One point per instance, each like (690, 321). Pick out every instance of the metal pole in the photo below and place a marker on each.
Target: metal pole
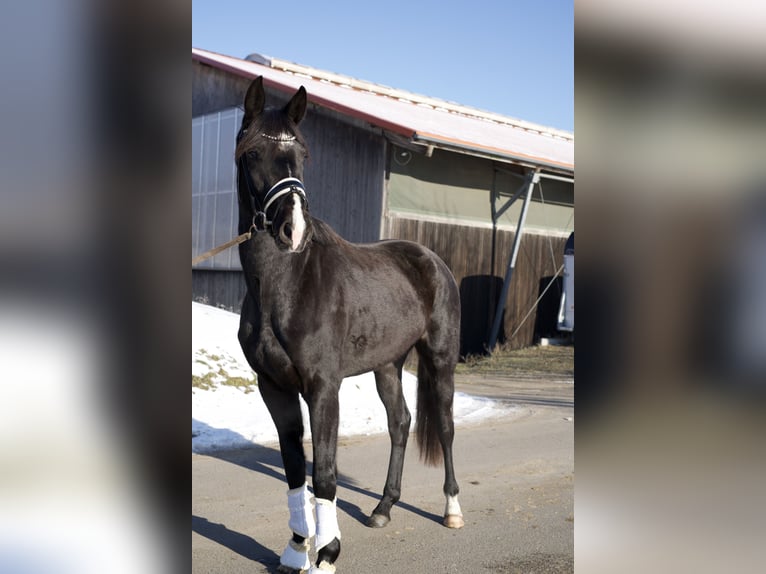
(558, 177)
(534, 179)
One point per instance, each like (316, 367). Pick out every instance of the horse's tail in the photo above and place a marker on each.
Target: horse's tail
(427, 419)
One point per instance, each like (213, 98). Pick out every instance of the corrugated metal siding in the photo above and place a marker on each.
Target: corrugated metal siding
(344, 179)
(214, 205)
(467, 251)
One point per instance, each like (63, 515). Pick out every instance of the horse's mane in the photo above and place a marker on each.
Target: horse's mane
(324, 234)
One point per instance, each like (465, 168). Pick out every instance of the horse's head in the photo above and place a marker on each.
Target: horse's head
(270, 154)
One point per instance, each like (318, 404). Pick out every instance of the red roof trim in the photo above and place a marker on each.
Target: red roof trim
(250, 69)
(324, 102)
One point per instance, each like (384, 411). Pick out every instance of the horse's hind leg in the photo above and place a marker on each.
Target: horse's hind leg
(389, 383)
(453, 515)
(436, 389)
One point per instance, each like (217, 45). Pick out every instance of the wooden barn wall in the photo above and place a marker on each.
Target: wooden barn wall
(467, 251)
(344, 177)
(344, 184)
(220, 288)
(214, 90)
(345, 171)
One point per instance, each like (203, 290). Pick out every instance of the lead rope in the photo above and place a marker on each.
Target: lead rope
(279, 190)
(244, 236)
(216, 250)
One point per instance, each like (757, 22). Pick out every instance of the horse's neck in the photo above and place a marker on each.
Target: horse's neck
(271, 268)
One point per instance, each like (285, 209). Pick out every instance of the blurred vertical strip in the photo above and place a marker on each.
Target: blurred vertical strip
(670, 108)
(94, 214)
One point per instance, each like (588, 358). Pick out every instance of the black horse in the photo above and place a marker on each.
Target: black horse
(319, 309)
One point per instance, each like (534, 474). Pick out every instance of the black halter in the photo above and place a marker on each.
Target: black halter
(279, 191)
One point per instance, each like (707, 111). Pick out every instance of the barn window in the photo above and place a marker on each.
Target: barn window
(214, 205)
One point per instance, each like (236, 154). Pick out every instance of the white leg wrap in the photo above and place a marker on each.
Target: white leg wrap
(301, 512)
(452, 507)
(296, 556)
(327, 522)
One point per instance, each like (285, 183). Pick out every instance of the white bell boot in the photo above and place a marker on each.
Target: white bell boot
(296, 556)
(323, 568)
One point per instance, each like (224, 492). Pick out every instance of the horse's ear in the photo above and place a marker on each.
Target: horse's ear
(296, 107)
(254, 100)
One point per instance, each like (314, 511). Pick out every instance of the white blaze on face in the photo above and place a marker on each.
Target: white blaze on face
(299, 223)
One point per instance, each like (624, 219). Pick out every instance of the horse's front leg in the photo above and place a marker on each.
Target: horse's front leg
(285, 410)
(324, 412)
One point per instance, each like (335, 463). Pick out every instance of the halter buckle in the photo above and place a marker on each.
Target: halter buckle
(260, 223)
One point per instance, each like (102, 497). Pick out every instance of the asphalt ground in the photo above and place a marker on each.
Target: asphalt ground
(516, 477)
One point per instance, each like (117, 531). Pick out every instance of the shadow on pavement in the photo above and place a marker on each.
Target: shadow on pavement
(267, 461)
(236, 542)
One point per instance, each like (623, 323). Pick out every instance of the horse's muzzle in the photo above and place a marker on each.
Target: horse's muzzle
(286, 233)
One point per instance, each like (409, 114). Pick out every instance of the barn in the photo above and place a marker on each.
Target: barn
(492, 195)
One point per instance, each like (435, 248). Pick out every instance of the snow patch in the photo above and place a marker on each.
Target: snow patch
(225, 417)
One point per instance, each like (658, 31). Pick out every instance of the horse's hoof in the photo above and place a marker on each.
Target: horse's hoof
(453, 521)
(282, 569)
(378, 521)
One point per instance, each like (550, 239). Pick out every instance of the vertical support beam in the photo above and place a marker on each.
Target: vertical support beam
(385, 219)
(492, 200)
(533, 178)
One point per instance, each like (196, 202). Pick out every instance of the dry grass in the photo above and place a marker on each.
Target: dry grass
(210, 381)
(544, 362)
(551, 360)
(217, 375)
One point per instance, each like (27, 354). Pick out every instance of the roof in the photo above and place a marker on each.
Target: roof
(419, 119)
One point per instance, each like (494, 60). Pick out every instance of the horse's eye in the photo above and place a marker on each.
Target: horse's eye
(252, 154)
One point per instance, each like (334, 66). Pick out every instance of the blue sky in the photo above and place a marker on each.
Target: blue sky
(513, 57)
